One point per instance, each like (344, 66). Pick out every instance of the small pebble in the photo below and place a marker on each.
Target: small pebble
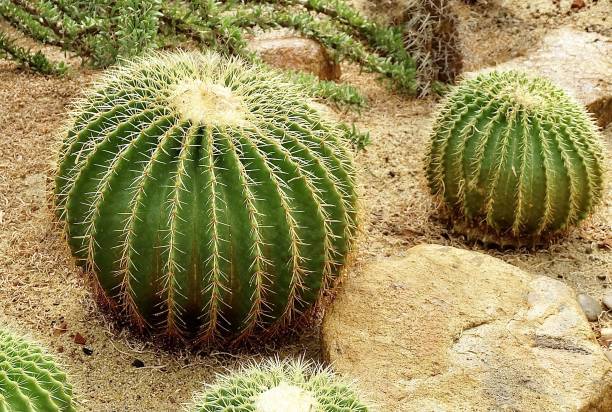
(79, 339)
(606, 335)
(60, 328)
(138, 363)
(591, 308)
(607, 299)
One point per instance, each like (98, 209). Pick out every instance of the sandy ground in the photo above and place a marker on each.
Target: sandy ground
(43, 295)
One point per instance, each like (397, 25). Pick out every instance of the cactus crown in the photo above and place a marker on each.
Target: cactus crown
(280, 386)
(30, 380)
(208, 104)
(207, 196)
(514, 159)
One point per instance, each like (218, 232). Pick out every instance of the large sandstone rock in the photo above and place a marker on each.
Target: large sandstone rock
(286, 50)
(578, 62)
(445, 329)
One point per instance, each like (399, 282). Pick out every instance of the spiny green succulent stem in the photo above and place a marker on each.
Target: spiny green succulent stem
(278, 386)
(30, 380)
(207, 198)
(514, 159)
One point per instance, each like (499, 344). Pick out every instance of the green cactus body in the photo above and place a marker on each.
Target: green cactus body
(30, 380)
(514, 160)
(207, 196)
(280, 386)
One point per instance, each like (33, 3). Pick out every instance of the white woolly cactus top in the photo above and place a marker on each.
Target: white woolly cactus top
(536, 96)
(195, 85)
(285, 397)
(281, 386)
(209, 103)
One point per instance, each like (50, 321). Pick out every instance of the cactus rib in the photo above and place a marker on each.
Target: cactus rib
(206, 196)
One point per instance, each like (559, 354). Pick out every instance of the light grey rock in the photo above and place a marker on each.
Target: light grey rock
(591, 307)
(606, 335)
(607, 300)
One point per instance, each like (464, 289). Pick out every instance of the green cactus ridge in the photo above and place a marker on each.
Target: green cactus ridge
(30, 380)
(280, 386)
(513, 159)
(208, 197)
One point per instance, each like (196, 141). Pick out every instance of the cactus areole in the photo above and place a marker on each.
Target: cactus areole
(514, 160)
(208, 198)
(30, 380)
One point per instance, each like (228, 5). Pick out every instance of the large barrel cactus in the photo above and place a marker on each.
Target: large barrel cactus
(207, 196)
(280, 386)
(513, 159)
(30, 380)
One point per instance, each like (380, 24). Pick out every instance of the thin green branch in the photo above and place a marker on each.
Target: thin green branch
(35, 61)
(25, 22)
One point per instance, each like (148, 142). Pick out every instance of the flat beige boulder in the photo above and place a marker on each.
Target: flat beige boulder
(286, 50)
(444, 329)
(578, 62)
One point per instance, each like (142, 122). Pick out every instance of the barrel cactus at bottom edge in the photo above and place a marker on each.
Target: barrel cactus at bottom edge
(208, 198)
(514, 160)
(30, 379)
(280, 386)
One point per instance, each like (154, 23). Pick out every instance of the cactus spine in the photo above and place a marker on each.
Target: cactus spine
(209, 199)
(30, 380)
(514, 159)
(279, 386)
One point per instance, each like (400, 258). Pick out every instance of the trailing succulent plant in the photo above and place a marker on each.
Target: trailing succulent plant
(207, 196)
(37, 61)
(279, 386)
(102, 31)
(513, 159)
(31, 380)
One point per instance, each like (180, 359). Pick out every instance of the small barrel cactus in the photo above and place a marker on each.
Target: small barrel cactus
(514, 160)
(210, 200)
(30, 380)
(280, 386)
